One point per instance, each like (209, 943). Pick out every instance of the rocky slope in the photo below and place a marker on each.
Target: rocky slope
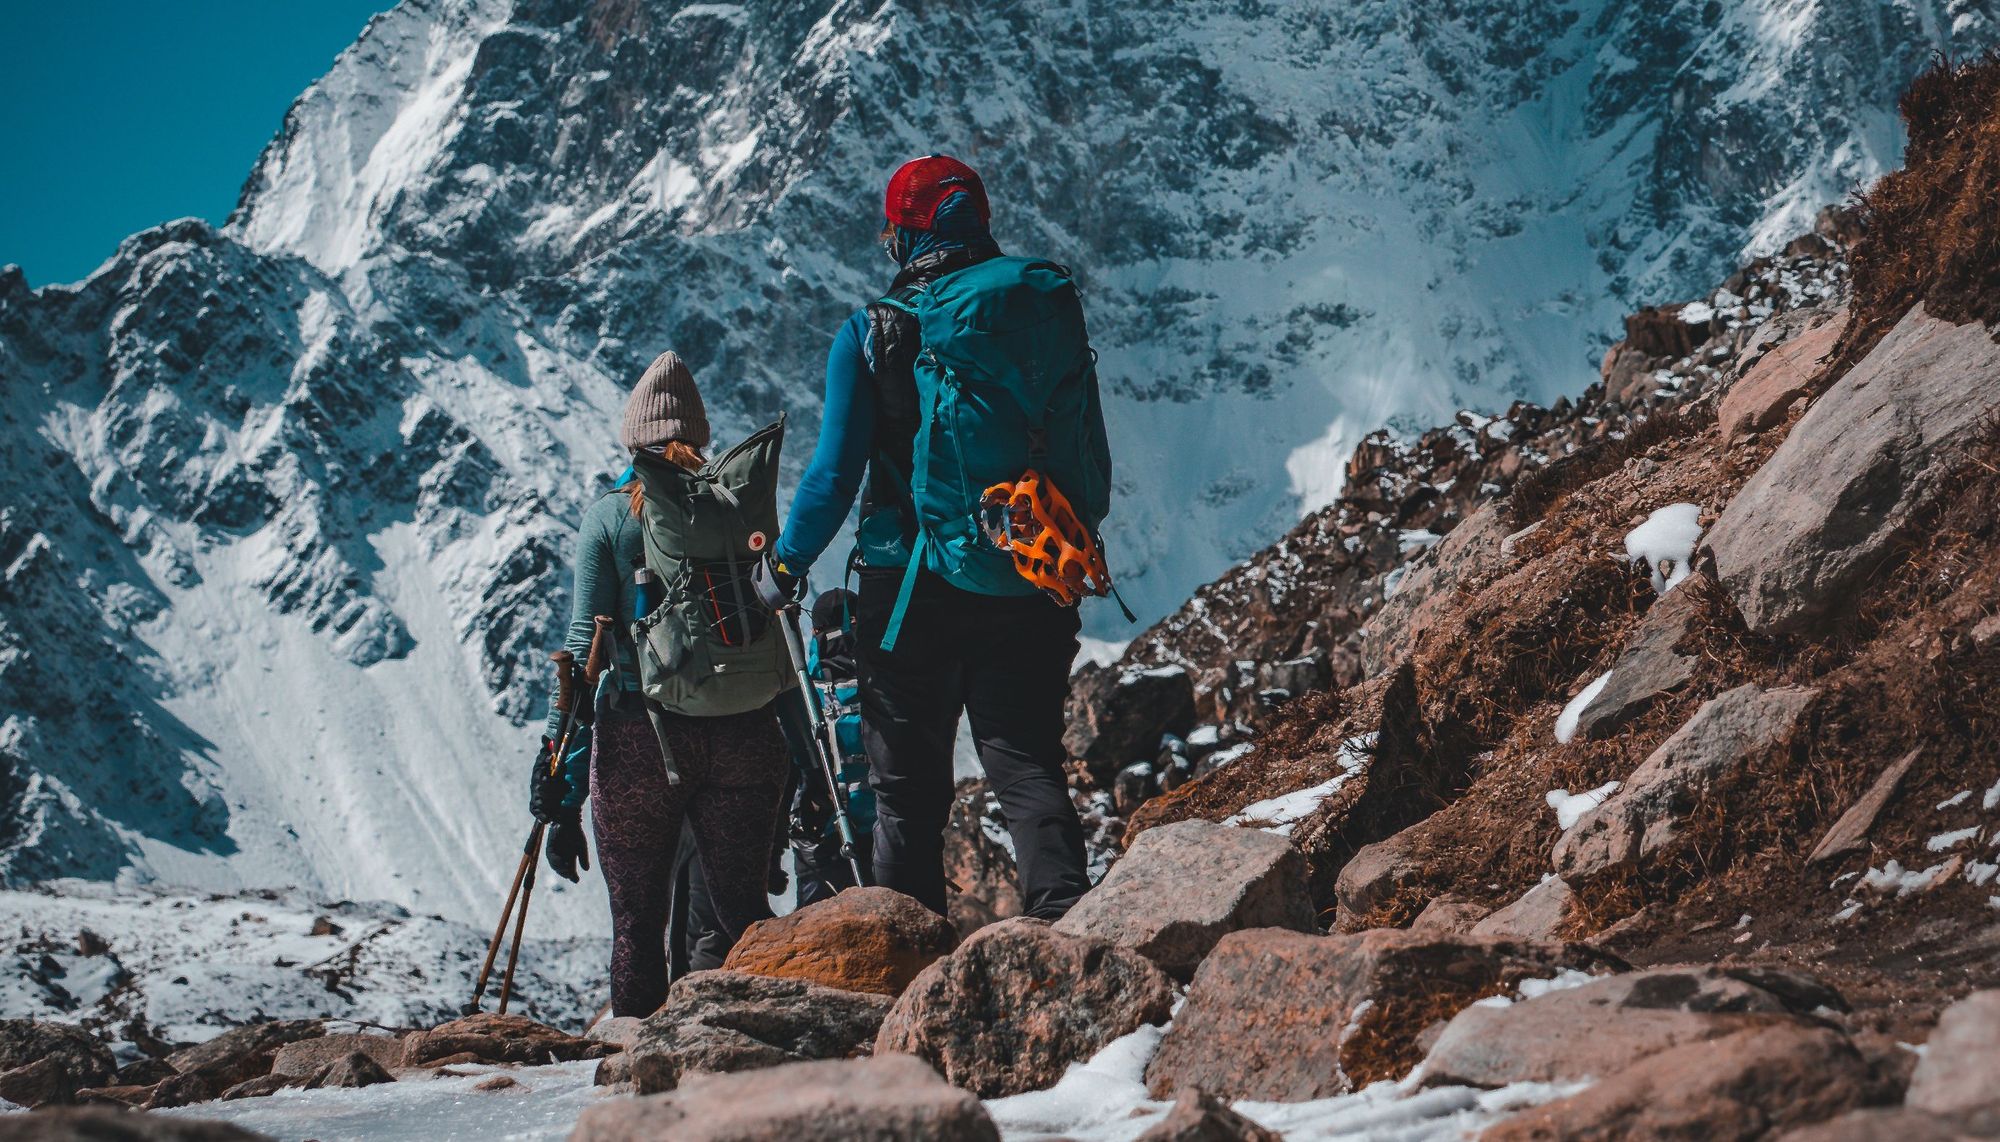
(282, 545)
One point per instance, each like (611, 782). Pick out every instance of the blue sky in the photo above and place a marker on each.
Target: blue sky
(121, 114)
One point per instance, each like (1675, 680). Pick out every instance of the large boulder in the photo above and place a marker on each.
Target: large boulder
(889, 1098)
(1182, 887)
(47, 1063)
(1760, 398)
(1960, 1070)
(1648, 668)
(306, 1057)
(1726, 1090)
(720, 1021)
(1285, 1017)
(1857, 470)
(243, 1053)
(1019, 1001)
(864, 939)
(492, 1038)
(1541, 913)
(1595, 1029)
(1117, 715)
(105, 1124)
(1645, 816)
(1375, 876)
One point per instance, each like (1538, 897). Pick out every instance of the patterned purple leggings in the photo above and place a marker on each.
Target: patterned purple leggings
(732, 780)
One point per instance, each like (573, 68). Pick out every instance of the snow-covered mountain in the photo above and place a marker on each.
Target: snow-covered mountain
(283, 518)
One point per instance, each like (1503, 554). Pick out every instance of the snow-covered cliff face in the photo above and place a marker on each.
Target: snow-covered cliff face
(284, 509)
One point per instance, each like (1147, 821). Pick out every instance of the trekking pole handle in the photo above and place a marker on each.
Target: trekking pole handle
(565, 678)
(602, 640)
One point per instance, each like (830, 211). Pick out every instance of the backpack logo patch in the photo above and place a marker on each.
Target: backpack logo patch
(758, 541)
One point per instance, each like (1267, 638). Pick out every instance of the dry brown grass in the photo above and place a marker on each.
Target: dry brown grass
(1931, 231)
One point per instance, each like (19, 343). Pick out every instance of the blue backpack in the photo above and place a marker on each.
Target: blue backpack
(1006, 382)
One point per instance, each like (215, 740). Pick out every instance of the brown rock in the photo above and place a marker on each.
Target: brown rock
(104, 1124)
(1018, 1002)
(985, 889)
(500, 1082)
(1729, 1090)
(864, 939)
(621, 1031)
(305, 1057)
(243, 1053)
(614, 1070)
(1374, 876)
(889, 1098)
(491, 1038)
(145, 1072)
(357, 1069)
(1858, 469)
(1897, 1124)
(1648, 668)
(718, 1021)
(1450, 915)
(183, 1090)
(1595, 1029)
(1182, 887)
(1197, 1117)
(1432, 583)
(1850, 833)
(1643, 817)
(89, 943)
(1284, 1017)
(1540, 914)
(261, 1086)
(1759, 399)
(132, 1095)
(45, 1063)
(1960, 1070)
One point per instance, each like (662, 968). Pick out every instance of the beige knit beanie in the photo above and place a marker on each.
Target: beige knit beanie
(665, 406)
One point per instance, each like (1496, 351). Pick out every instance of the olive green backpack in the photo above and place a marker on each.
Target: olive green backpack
(710, 648)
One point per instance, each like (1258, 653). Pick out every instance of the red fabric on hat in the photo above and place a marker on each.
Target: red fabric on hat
(920, 186)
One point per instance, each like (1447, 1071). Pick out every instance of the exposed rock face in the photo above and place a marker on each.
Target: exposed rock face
(356, 1069)
(490, 1038)
(96, 1122)
(889, 1098)
(1182, 887)
(1541, 913)
(1872, 452)
(1450, 915)
(243, 1053)
(1595, 1029)
(44, 1063)
(1648, 668)
(1737, 1088)
(1472, 551)
(1760, 398)
(979, 859)
(1373, 877)
(1644, 816)
(307, 1056)
(864, 939)
(1198, 1117)
(1286, 1017)
(720, 1021)
(1116, 717)
(1957, 1072)
(1850, 832)
(1018, 1002)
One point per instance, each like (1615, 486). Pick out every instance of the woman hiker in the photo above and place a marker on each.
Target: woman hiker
(731, 769)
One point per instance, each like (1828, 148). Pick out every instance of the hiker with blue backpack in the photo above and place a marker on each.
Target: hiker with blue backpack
(963, 408)
(686, 724)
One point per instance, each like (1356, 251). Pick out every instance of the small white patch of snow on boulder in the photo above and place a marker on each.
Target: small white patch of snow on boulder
(1566, 721)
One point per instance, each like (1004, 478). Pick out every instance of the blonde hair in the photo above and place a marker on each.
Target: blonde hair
(676, 452)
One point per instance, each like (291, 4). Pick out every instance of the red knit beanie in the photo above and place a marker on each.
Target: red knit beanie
(920, 186)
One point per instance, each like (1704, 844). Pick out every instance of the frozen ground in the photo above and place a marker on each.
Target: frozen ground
(1103, 1100)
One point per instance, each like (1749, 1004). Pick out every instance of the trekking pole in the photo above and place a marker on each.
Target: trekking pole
(572, 699)
(826, 740)
(506, 913)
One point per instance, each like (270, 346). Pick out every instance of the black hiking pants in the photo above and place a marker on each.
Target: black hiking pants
(1004, 661)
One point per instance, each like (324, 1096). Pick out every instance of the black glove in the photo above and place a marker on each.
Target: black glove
(567, 849)
(775, 585)
(547, 786)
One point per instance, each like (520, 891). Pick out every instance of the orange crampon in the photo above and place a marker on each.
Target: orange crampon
(1032, 519)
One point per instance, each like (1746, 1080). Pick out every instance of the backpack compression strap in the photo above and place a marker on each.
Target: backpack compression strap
(905, 300)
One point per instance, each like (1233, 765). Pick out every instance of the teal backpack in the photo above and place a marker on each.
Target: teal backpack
(1006, 381)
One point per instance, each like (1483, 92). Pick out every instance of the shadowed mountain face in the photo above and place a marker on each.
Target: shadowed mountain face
(287, 503)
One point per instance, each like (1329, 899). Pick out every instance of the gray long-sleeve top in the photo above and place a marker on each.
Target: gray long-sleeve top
(607, 548)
